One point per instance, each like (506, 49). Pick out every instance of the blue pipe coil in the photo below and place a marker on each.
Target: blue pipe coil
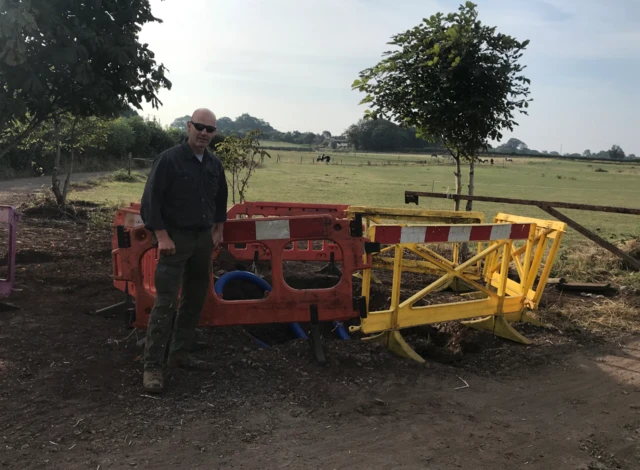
(261, 283)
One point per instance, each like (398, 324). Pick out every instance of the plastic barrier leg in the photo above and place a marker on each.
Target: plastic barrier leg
(523, 317)
(395, 343)
(499, 327)
(316, 338)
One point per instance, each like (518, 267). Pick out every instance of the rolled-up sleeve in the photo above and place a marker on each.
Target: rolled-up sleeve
(153, 195)
(222, 198)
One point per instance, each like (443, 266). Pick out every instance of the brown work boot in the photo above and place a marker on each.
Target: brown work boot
(184, 360)
(152, 381)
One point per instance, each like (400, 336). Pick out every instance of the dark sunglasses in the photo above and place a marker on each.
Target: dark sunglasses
(200, 127)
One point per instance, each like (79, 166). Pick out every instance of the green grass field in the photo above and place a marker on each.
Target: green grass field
(369, 179)
(274, 143)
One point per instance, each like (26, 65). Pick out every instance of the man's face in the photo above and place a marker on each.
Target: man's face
(199, 130)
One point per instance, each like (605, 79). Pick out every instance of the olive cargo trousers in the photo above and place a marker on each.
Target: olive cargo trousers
(190, 269)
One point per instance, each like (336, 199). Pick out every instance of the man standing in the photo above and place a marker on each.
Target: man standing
(185, 206)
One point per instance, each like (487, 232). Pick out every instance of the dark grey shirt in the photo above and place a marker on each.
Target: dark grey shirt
(183, 193)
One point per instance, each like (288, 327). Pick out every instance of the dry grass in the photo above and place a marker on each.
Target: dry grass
(618, 314)
(588, 262)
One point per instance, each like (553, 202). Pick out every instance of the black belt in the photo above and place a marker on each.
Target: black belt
(191, 229)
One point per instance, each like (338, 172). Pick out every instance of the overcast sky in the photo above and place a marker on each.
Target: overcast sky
(292, 62)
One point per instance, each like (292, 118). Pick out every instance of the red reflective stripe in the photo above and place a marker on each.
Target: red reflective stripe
(239, 230)
(312, 227)
(388, 235)
(437, 234)
(480, 233)
(520, 231)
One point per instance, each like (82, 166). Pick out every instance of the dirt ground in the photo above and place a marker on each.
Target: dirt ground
(71, 398)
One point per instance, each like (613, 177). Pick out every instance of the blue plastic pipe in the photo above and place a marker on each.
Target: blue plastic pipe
(341, 331)
(261, 283)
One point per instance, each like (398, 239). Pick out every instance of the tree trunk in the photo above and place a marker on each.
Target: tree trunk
(233, 188)
(67, 180)
(458, 175)
(472, 169)
(55, 182)
(464, 247)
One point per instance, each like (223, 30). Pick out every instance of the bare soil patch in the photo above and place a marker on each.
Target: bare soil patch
(71, 384)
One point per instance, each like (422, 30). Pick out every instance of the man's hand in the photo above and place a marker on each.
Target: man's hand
(216, 234)
(166, 247)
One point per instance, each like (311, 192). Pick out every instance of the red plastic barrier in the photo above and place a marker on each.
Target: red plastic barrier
(306, 250)
(285, 209)
(134, 267)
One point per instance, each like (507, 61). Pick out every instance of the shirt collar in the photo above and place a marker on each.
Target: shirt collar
(189, 153)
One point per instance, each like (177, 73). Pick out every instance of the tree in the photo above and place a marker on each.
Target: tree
(226, 125)
(142, 137)
(513, 145)
(326, 134)
(129, 112)
(240, 157)
(632, 155)
(375, 135)
(73, 57)
(159, 139)
(616, 153)
(181, 123)
(177, 135)
(69, 134)
(120, 137)
(586, 153)
(246, 123)
(455, 80)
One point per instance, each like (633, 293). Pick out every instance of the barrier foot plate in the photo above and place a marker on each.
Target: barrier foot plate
(499, 327)
(374, 278)
(524, 317)
(331, 270)
(396, 344)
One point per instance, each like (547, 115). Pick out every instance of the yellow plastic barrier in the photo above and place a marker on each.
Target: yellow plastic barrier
(386, 215)
(511, 241)
(546, 244)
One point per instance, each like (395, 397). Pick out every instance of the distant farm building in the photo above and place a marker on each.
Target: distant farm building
(338, 143)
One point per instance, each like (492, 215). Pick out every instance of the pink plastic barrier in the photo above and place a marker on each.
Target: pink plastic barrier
(9, 216)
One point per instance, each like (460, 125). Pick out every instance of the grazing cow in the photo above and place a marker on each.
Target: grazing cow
(492, 161)
(323, 157)
(508, 159)
(434, 155)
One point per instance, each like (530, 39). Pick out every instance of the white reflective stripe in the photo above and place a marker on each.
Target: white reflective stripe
(459, 234)
(501, 232)
(132, 220)
(272, 230)
(413, 234)
(4, 214)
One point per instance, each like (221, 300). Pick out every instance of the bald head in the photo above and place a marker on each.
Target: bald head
(201, 129)
(199, 115)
